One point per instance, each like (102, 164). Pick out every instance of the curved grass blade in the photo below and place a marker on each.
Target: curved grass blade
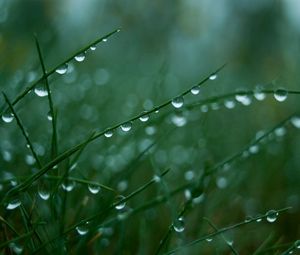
(65, 61)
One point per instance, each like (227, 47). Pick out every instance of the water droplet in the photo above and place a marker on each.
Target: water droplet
(178, 120)
(62, 69)
(213, 77)
(221, 182)
(126, 126)
(281, 131)
(259, 95)
(104, 40)
(156, 178)
(215, 106)
(259, 218)
(7, 117)
(93, 47)
(272, 216)
(41, 90)
(280, 95)
(17, 249)
(229, 104)
(94, 189)
(229, 242)
(204, 108)
(254, 149)
(80, 57)
(120, 205)
(13, 204)
(209, 240)
(49, 116)
(195, 90)
(295, 120)
(248, 219)
(68, 185)
(43, 193)
(82, 229)
(144, 118)
(243, 97)
(108, 133)
(297, 244)
(189, 175)
(177, 102)
(178, 225)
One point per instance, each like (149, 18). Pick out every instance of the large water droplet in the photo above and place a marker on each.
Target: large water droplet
(62, 69)
(280, 131)
(213, 77)
(280, 95)
(177, 102)
(295, 120)
(259, 95)
(120, 205)
(179, 120)
(108, 133)
(7, 117)
(272, 216)
(13, 204)
(16, 248)
(82, 229)
(195, 90)
(94, 189)
(178, 225)
(229, 104)
(80, 57)
(126, 126)
(41, 90)
(144, 118)
(68, 185)
(43, 193)
(243, 98)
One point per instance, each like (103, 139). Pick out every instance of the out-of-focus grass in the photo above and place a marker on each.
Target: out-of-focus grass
(83, 168)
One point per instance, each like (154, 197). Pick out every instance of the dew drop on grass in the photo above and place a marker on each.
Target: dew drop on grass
(195, 90)
(80, 57)
(104, 40)
(41, 90)
(259, 218)
(16, 248)
(120, 206)
(94, 189)
(126, 126)
(93, 47)
(144, 118)
(13, 204)
(209, 240)
(229, 104)
(156, 178)
(254, 149)
(178, 120)
(213, 77)
(68, 186)
(259, 95)
(108, 133)
(280, 95)
(204, 108)
(272, 216)
(43, 194)
(49, 116)
(280, 131)
(297, 244)
(178, 225)
(177, 102)
(82, 229)
(295, 120)
(7, 117)
(62, 69)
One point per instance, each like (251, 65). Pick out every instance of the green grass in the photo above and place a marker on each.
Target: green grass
(63, 205)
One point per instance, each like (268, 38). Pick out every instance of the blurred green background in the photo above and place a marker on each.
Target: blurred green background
(164, 47)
